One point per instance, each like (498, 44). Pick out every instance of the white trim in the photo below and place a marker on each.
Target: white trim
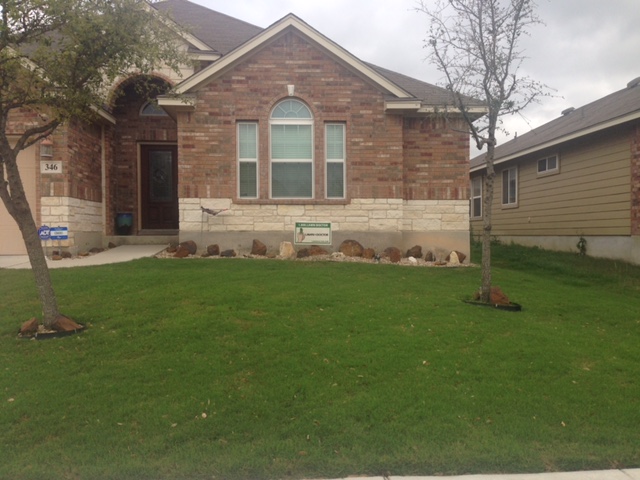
(278, 28)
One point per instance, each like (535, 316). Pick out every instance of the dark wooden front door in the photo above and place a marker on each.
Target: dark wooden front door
(159, 171)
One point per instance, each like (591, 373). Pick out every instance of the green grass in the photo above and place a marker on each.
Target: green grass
(234, 369)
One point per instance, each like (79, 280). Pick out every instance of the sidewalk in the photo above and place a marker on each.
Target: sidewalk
(123, 253)
(628, 474)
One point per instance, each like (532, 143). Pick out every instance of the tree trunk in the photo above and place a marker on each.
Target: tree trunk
(18, 207)
(487, 200)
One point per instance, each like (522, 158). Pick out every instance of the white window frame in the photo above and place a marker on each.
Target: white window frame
(509, 183)
(341, 161)
(151, 109)
(248, 160)
(544, 163)
(291, 121)
(476, 183)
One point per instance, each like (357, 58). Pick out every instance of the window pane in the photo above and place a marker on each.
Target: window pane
(291, 109)
(542, 165)
(291, 180)
(335, 180)
(477, 207)
(247, 140)
(552, 163)
(248, 180)
(291, 142)
(335, 142)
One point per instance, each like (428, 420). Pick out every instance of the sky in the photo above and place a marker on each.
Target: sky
(585, 49)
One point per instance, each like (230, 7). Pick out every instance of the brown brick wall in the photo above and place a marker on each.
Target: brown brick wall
(635, 180)
(375, 145)
(130, 131)
(436, 161)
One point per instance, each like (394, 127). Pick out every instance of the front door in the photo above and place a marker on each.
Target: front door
(159, 173)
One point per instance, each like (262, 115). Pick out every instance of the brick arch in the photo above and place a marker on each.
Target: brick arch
(118, 87)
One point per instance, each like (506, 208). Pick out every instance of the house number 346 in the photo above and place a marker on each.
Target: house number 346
(50, 167)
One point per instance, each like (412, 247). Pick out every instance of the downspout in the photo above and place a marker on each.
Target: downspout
(103, 161)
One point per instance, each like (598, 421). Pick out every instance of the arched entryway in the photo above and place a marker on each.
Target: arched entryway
(144, 168)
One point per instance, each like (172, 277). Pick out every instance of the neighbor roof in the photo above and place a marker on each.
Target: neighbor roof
(614, 109)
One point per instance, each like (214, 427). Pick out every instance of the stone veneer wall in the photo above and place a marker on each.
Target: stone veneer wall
(441, 225)
(83, 218)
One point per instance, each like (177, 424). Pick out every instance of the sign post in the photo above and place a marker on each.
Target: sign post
(44, 232)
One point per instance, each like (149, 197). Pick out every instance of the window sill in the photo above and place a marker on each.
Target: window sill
(290, 201)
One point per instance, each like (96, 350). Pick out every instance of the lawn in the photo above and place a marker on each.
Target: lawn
(266, 369)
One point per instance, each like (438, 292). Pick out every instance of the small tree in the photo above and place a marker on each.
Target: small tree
(475, 44)
(58, 59)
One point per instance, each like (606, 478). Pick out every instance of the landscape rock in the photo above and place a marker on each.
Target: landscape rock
(111, 245)
(461, 256)
(415, 252)
(65, 324)
(258, 248)
(412, 260)
(429, 257)
(181, 252)
(453, 259)
(190, 245)
(29, 327)
(497, 296)
(393, 254)
(287, 251)
(56, 257)
(312, 251)
(228, 253)
(172, 248)
(351, 248)
(213, 250)
(369, 253)
(95, 250)
(66, 254)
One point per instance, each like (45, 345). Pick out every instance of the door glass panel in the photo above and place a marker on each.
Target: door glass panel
(161, 176)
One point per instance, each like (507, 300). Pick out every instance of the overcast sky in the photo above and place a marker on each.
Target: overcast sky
(585, 50)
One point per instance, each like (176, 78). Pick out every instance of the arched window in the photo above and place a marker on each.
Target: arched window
(151, 109)
(291, 131)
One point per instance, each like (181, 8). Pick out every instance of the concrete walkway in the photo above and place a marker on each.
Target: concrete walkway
(629, 474)
(123, 253)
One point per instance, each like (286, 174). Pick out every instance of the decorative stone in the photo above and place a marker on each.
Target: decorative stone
(213, 250)
(181, 252)
(228, 253)
(351, 248)
(190, 245)
(172, 248)
(287, 251)
(368, 253)
(429, 257)
(497, 296)
(56, 257)
(393, 254)
(29, 327)
(111, 245)
(66, 254)
(453, 259)
(415, 252)
(258, 248)
(96, 250)
(312, 251)
(65, 324)
(461, 256)
(412, 260)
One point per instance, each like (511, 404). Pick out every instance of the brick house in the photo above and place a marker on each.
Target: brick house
(274, 126)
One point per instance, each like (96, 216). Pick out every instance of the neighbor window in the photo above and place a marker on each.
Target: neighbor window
(335, 153)
(548, 165)
(247, 160)
(510, 186)
(291, 128)
(476, 197)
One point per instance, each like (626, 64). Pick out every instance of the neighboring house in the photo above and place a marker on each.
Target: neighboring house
(274, 126)
(575, 177)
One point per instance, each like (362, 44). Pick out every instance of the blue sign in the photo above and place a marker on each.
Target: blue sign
(44, 232)
(59, 233)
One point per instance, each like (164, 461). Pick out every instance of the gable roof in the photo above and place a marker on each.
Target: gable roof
(614, 109)
(234, 39)
(220, 32)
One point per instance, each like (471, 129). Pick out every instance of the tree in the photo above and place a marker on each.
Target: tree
(476, 45)
(57, 60)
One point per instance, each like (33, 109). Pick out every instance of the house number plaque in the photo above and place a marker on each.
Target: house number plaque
(50, 167)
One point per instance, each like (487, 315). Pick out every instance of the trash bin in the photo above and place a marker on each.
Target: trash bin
(124, 222)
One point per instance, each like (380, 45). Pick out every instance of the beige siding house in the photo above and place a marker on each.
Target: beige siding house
(577, 176)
